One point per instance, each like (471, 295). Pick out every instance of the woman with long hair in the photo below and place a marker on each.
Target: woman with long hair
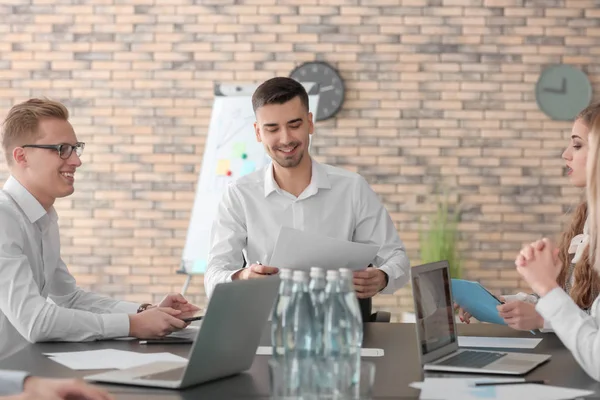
(577, 277)
(541, 266)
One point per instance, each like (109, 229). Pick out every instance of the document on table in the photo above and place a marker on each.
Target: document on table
(465, 389)
(364, 352)
(498, 342)
(296, 249)
(109, 359)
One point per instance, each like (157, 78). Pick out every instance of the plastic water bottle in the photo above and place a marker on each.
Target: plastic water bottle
(317, 294)
(355, 327)
(279, 308)
(299, 337)
(336, 335)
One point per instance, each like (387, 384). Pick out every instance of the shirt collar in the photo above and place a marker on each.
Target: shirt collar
(318, 180)
(25, 200)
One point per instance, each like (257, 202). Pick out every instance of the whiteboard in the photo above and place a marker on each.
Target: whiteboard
(231, 152)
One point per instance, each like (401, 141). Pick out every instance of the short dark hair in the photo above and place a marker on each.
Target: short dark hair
(278, 91)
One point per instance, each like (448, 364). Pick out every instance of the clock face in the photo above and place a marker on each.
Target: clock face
(562, 91)
(331, 86)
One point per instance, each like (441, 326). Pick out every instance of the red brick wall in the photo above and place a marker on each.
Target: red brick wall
(436, 90)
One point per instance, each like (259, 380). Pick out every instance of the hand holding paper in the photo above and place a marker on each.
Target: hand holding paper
(296, 249)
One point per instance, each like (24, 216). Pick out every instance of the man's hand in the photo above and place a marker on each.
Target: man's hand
(177, 302)
(521, 315)
(369, 282)
(60, 389)
(155, 322)
(254, 271)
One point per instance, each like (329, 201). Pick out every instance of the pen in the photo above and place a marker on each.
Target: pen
(259, 263)
(540, 382)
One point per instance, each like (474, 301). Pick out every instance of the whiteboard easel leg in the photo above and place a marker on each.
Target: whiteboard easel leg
(186, 284)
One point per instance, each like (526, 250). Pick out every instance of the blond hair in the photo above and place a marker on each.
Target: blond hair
(593, 191)
(21, 123)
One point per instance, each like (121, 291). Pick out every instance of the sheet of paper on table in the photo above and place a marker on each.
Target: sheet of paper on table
(109, 359)
(498, 342)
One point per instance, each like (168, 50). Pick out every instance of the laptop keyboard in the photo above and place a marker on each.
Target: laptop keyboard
(472, 359)
(170, 375)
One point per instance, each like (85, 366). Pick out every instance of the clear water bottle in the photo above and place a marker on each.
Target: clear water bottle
(355, 326)
(279, 308)
(299, 338)
(336, 336)
(317, 294)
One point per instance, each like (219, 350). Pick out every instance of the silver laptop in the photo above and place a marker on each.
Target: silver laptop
(436, 330)
(225, 345)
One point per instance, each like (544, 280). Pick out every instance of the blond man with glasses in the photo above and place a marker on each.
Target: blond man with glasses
(43, 154)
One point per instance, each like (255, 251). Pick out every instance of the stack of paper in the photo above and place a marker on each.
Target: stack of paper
(109, 359)
(465, 389)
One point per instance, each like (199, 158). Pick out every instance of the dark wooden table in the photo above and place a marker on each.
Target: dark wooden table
(394, 371)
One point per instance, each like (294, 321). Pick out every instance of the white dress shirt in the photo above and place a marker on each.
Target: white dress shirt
(11, 382)
(31, 271)
(337, 203)
(579, 332)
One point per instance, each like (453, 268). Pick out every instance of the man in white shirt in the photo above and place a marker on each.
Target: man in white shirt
(297, 192)
(19, 385)
(43, 153)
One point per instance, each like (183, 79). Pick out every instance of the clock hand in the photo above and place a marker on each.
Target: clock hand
(327, 88)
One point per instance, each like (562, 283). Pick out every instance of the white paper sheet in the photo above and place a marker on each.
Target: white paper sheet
(364, 352)
(300, 250)
(464, 389)
(498, 342)
(109, 359)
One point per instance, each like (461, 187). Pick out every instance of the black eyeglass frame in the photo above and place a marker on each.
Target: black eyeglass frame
(60, 148)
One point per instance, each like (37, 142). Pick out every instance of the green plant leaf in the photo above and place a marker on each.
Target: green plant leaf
(439, 241)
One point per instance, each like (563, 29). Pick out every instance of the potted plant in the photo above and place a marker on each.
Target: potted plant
(439, 241)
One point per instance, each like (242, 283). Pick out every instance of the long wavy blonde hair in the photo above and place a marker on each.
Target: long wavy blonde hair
(586, 280)
(593, 191)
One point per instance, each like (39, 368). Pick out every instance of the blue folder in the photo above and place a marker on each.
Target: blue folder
(476, 300)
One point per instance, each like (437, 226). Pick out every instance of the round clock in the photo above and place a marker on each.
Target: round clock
(562, 91)
(331, 86)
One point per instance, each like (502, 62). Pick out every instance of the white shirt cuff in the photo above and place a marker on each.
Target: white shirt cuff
(551, 304)
(115, 325)
(11, 382)
(393, 283)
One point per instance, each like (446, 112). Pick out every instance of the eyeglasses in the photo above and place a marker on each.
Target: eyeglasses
(64, 149)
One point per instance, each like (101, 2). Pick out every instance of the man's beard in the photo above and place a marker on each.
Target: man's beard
(285, 162)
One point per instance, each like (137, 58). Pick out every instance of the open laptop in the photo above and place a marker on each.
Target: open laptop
(436, 330)
(225, 345)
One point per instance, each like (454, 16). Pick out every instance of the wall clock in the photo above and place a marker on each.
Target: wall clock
(331, 86)
(562, 91)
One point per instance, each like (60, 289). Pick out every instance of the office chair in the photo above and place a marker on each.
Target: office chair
(366, 306)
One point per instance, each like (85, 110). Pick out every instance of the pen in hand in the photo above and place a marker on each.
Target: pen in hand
(259, 263)
(539, 382)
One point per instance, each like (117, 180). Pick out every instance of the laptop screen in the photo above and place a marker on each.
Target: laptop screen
(433, 309)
